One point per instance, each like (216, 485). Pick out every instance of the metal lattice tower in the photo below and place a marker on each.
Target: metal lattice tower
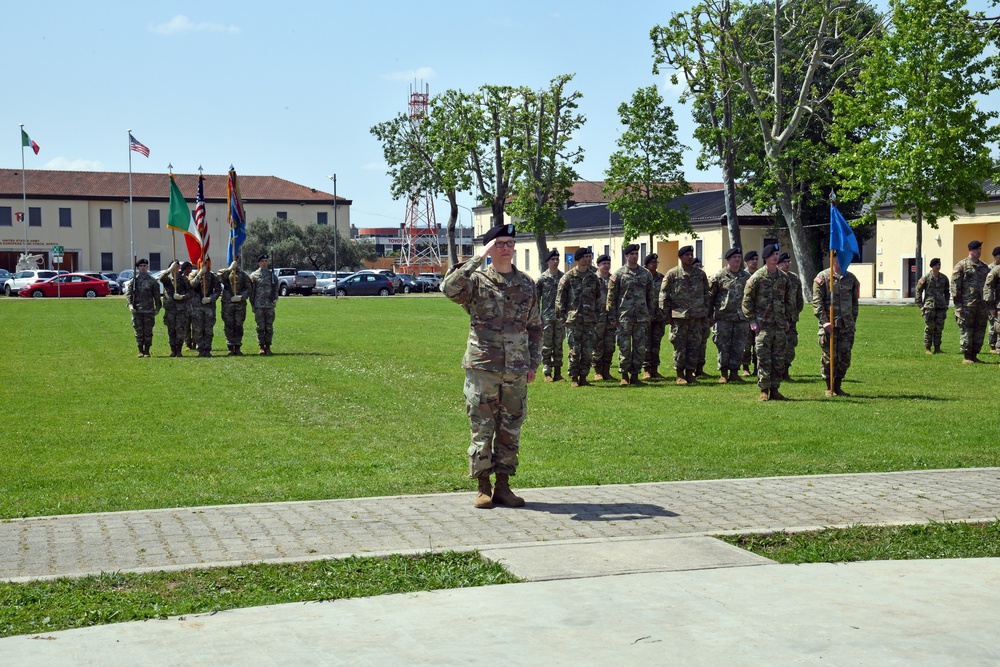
(420, 252)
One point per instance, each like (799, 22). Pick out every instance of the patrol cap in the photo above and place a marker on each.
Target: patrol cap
(975, 244)
(784, 257)
(769, 250)
(604, 258)
(499, 230)
(750, 255)
(996, 251)
(262, 257)
(583, 252)
(554, 253)
(142, 261)
(936, 261)
(685, 250)
(652, 257)
(186, 265)
(733, 251)
(631, 247)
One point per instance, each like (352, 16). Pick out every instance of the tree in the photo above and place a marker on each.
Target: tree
(319, 240)
(925, 144)
(310, 248)
(644, 175)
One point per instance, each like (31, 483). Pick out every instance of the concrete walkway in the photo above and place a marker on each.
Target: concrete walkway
(616, 574)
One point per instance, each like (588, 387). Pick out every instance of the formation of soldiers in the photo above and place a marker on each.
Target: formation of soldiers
(189, 305)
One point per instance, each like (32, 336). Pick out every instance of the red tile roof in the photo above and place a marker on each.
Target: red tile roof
(99, 185)
(589, 192)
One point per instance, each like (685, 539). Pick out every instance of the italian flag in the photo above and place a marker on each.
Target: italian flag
(179, 218)
(26, 141)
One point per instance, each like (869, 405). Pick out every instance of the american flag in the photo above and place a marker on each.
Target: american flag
(199, 218)
(134, 145)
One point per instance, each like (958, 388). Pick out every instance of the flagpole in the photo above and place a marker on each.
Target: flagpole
(24, 197)
(832, 327)
(173, 235)
(131, 229)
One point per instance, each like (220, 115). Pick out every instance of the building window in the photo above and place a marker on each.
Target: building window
(154, 218)
(607, 250)
(65, 217)
(154, 261)
(6, 216)
(282, 215)
(34, 216)
(699, 250)
(527, 256)
(107, 260)
(105, 218)
(321, 217)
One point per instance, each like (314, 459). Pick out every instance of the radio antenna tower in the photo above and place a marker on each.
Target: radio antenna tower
(420, 252)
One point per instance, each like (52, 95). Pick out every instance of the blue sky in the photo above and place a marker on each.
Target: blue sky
(291, 89)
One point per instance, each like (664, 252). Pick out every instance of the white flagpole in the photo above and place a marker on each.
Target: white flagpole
(24, 196)
(131, 231)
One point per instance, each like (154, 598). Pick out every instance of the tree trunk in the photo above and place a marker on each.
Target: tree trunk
(452, 220)
(732, 219)
(800, 244)
(918, 264)
(542, 248)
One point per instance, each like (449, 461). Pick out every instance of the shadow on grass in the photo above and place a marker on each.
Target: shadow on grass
(602, 511)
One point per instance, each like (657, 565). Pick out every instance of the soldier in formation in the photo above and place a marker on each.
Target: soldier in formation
(932, 297)
(501, 358)
(554, 328)
(768, 304)
(263, 300)
(657, 323)
(752, 260)
(993, 326)
(208, 289)
(725, 296)
(176, 314)
(792, 339)
(604, 345)
(706, 331)
(630, 301)
(577, 304)
(843, 295)
(967, 282)
(684, 300)
(235, 294)
(143, 298)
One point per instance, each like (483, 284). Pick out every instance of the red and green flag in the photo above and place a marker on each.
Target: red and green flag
(179, 219)
(26, 141)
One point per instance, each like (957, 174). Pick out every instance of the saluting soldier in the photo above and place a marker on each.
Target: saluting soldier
(752, 260)
(577, 300)
(846, 290)
(263, 300)
(684, 301)
(207, 285)
(993, 326)
(553, 328)
(235, 294)
(767, 304)
(932, 296)
(967, 282)
(604, 345)
(792, 338)
(725, 296)
(176, 313)
(630, 301)
(501, 358)
(143, 298)
(657, 322)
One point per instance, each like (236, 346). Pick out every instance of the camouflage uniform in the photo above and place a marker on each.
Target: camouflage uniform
(234, 313)
(604, 344)
(630, 300)
(577, 303)
(991, 295)
(176, 311)
(263, 298)
(792, 337)
(967, 282)
(206, 286)
(554, 328)
(725, 295)
(657, 327)
(684, 299)
(505, 336)
(143, 298)
(846, 290)
(932, 297)
(768, 302)
(993, 326)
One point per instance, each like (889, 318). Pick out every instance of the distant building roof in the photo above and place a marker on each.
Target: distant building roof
(590, 192)
(104, 185)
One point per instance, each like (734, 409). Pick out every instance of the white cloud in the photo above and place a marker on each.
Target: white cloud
(181, 23)
(421, 73)
(374, 166)
(64, 164)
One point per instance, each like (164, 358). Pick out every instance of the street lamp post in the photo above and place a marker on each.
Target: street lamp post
(336, 233)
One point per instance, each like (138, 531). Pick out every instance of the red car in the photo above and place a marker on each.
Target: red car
(68, 284)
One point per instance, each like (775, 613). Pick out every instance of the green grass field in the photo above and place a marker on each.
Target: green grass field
(364, 397)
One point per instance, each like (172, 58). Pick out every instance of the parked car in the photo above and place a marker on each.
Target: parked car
(389, 273)
(22, 279)
(124, 277)
(112, 285)
(327, 278)
(362, 284)
(5, 275)
(412, 284)
(293, 280)
(69, 284)
(433, 278)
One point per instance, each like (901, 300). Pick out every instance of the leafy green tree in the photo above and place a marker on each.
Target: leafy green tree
(319, 254)
(645, 174)
(925, 143)
(303, 248)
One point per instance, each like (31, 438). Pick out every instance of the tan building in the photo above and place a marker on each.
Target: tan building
(87, 213)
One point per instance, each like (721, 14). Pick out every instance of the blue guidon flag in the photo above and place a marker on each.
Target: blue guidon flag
(842, 240)
(237, 218)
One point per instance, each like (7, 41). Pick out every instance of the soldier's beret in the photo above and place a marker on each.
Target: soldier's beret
(142, 261)
(975, 244)
(733, 251)
(652, 257)
(750, 255)
(583, 252)
(604, 258)
(936, 261)
(186, 265)
(697, 261)
(783, 257)
(996, 251)
(499, 230)
(262, 257)
(769, 250)
(685, 250)
(631, 247)
(554, 253)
